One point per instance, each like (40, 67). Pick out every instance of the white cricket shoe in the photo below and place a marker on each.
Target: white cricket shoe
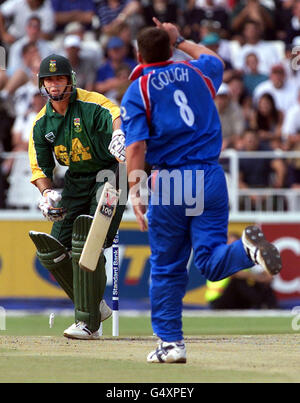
(105, 310)
(167, 352)
(80, 331)
(260, 251)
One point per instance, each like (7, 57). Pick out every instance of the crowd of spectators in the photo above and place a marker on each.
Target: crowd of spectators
(259, 41)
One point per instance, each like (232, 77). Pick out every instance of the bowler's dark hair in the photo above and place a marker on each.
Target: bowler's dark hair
(154, 45)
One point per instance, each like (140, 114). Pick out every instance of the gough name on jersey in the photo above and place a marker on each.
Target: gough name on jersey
(167, 77)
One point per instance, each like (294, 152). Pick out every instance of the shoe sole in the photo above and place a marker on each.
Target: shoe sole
(155, 358)
(268, 252)
(180, 361)
(68, 336)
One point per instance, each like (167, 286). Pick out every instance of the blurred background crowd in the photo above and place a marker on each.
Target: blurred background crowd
(258, 102)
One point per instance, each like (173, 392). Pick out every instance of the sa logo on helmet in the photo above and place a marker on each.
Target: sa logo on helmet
(52, 66)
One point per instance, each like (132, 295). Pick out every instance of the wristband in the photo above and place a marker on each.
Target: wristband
(178, 41)
(45, 191)
(118, 132)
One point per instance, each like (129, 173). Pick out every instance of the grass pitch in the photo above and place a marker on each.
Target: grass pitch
(219, 349)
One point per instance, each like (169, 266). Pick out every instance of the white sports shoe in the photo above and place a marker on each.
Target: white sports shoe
(260, 251)
(80, 331)
(167, 352)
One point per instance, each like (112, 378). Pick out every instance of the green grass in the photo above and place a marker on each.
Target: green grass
(37, 325)
(71, 369)
(237, 325)
(220, 349)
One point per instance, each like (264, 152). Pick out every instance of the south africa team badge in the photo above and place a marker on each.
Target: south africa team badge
(52, 66)
(77, 126)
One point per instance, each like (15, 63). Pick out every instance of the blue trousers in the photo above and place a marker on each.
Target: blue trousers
(173, 234)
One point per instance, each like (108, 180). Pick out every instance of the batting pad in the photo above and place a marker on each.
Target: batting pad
(88, 286)
(56, 258)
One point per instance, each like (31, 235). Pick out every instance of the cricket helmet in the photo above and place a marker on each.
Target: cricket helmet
(56, 65)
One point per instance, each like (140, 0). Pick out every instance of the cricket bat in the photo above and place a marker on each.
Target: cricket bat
(103, 215)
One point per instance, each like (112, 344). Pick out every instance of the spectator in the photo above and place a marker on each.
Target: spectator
(259, 173)
(20, 11)
(207, 28)
(84, 68)
(283, 15)
(113, 12)
(252, 10)
(90, 48)
(210, 11)
(20, 134)
(19, 78)
(291, 126)
(164, 10)
(293, 27)
(267, 121)
(291, 138)
(66, 11)
(22, 97)
(20, 194)
(239, 95)
(182, 4)
(231, 116)
(283, 90)
(252, 77)
(107, 82)
(75, 28)
(5, 130)
(266, 52)
(124, 32)
(237, 89)
(33, 35)
(246, 289)
(212, 40)
(5, 146)
(23, 123)
(197, 31)
(122, 74)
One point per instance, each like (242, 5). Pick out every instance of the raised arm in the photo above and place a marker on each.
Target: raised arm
(192, 49)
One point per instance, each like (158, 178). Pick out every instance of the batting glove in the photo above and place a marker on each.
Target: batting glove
(48, 204)
(117, 145)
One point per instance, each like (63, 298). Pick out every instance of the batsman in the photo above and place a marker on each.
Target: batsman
(81, 130)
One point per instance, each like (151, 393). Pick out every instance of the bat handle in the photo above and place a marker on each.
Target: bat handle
(115, 286)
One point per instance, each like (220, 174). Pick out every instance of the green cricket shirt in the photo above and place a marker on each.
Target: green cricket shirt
(79, 139)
